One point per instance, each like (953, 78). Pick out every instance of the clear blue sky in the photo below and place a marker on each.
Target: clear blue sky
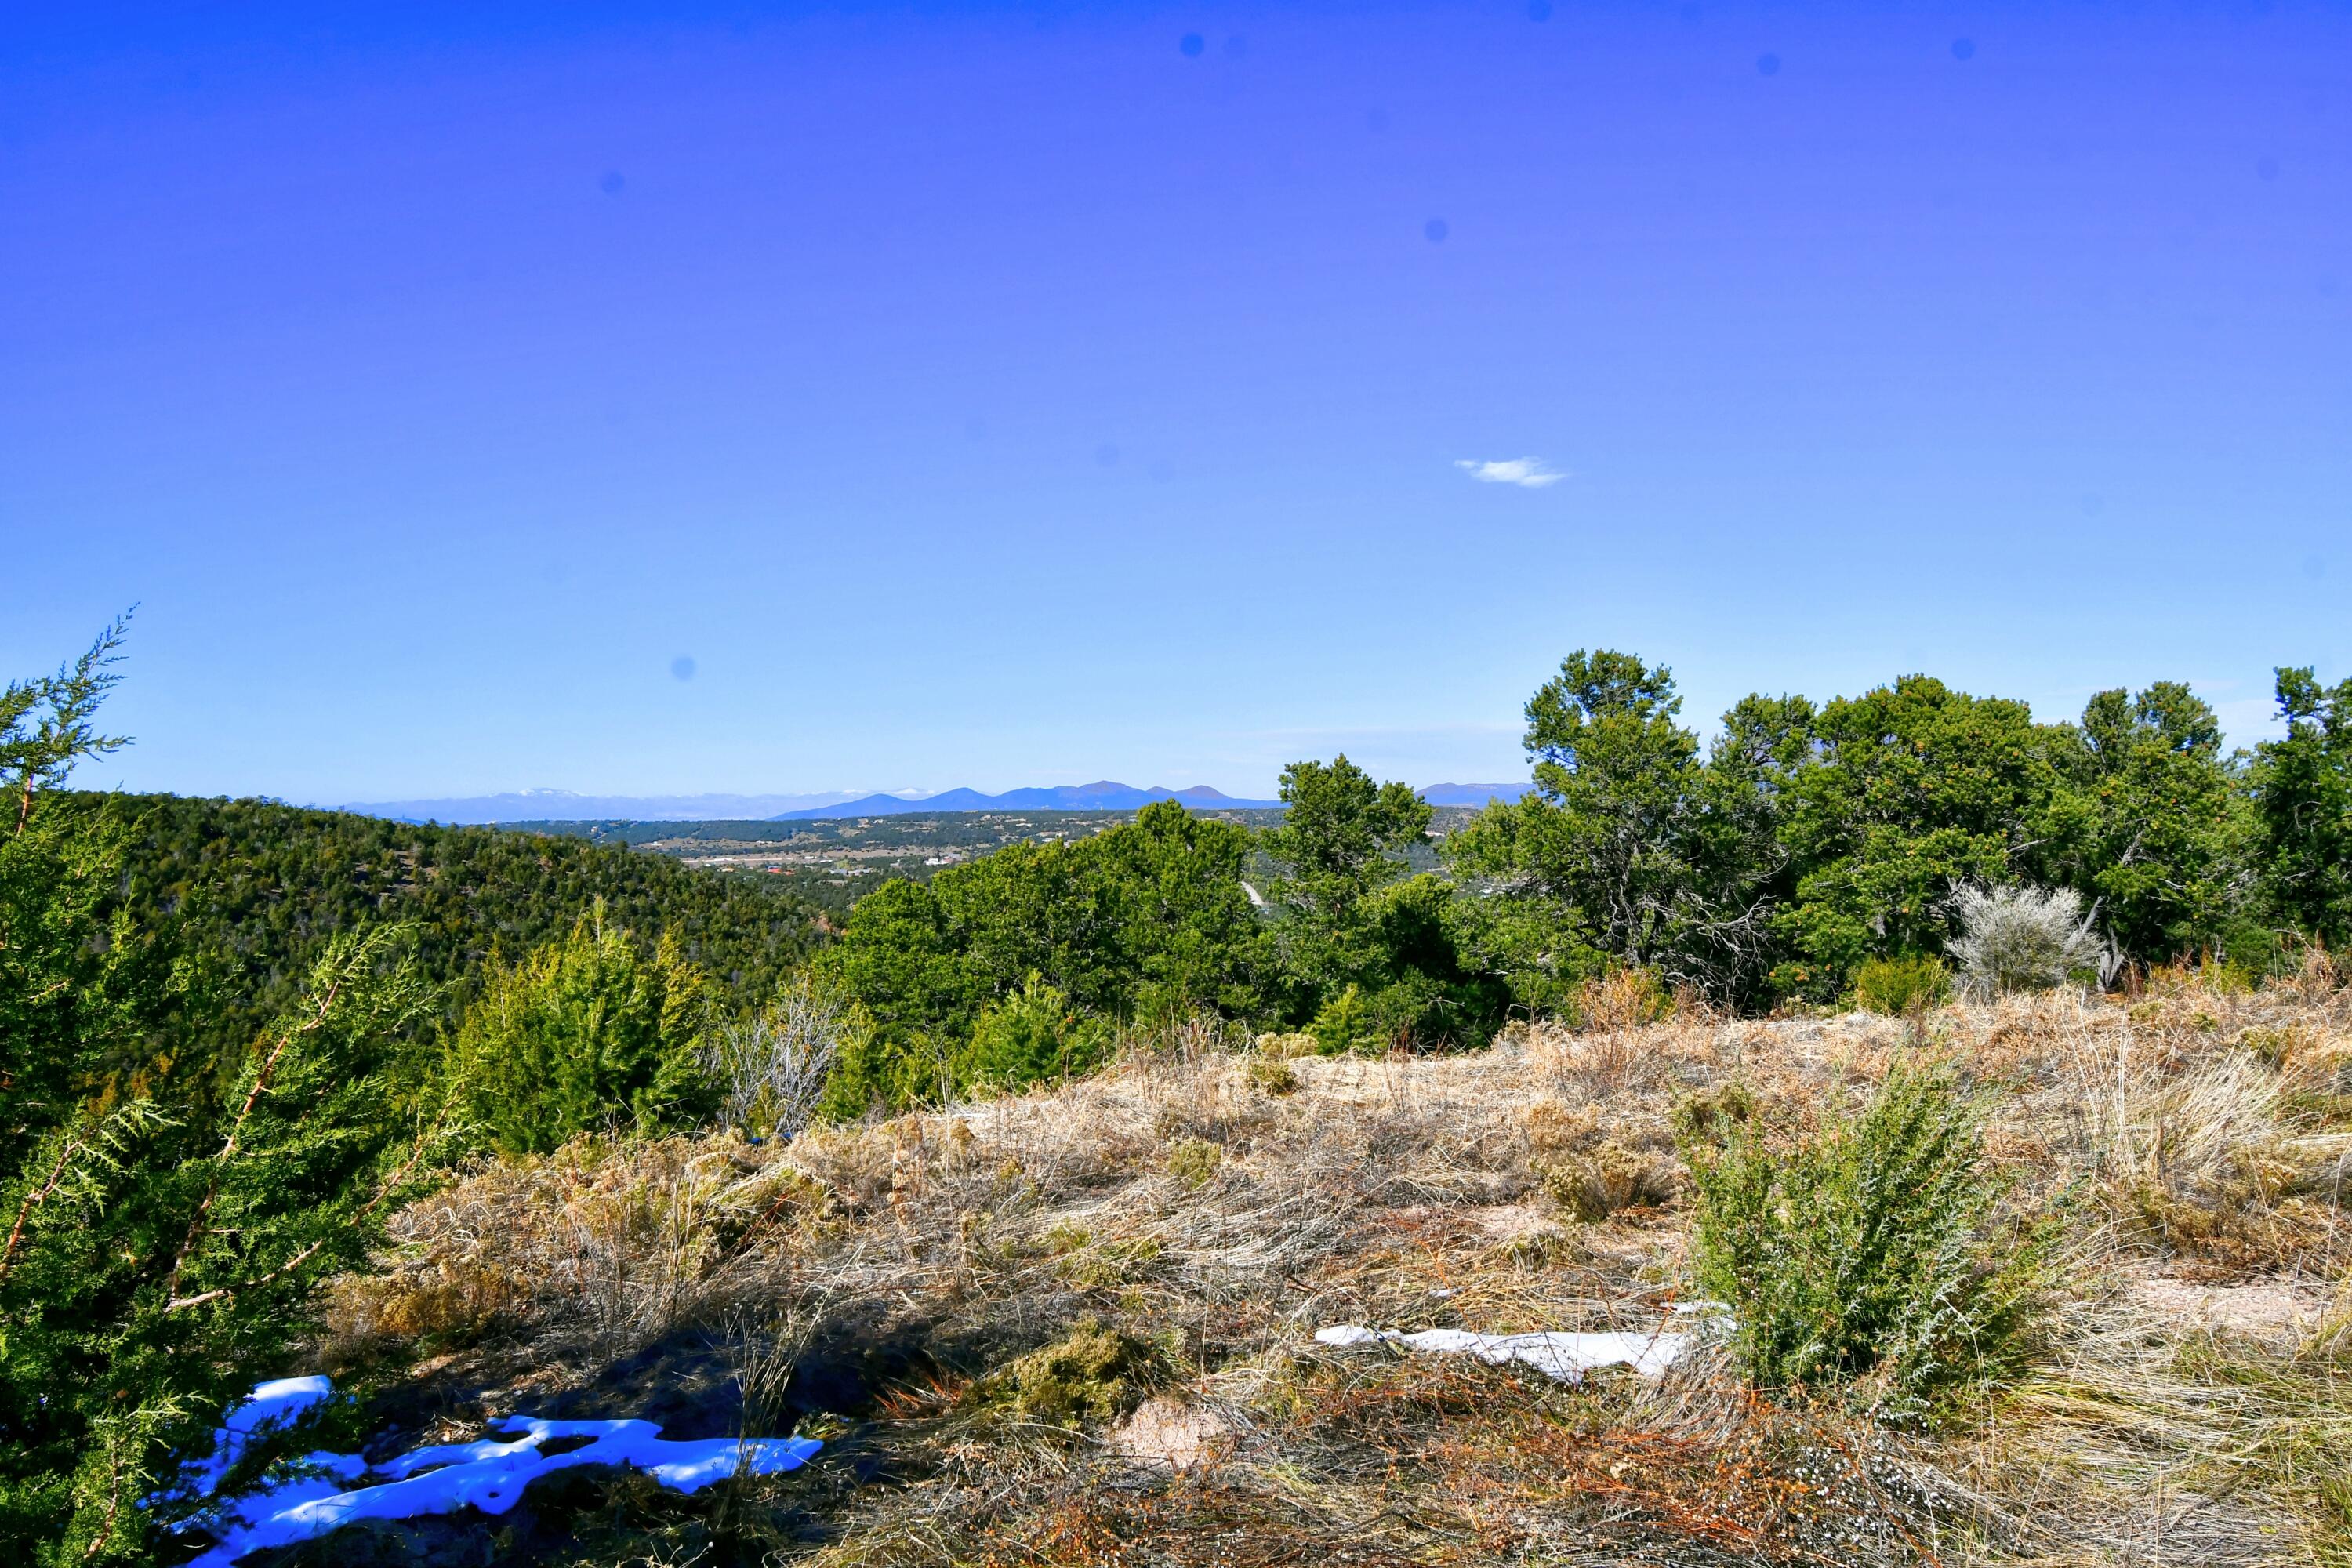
(1014, 396)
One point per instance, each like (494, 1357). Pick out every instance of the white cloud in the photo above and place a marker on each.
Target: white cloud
(1527, 473)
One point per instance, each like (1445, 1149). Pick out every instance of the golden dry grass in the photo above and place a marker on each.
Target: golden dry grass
(2191, 1406)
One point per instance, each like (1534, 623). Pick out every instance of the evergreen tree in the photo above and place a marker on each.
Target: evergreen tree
(1342, 836)
(1355, 924)
(593, 1032)
(2303, 800)
(1624, 854)
(1182, 932)
(1030, 1037)
(2157, 855)
(247, 895)
(1145, 921)
(1915, 790)
(161, 1244)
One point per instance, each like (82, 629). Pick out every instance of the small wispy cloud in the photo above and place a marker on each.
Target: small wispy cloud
(1527, 473)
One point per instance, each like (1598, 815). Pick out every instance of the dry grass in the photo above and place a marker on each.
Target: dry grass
(2191, 1406)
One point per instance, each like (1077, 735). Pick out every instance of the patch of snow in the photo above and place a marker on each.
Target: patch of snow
(1347, 1335)
(273, 1404)
(1565, 1356)
(320, 1495)
(280, 1399)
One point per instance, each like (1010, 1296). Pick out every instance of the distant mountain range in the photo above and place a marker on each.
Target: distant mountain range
(1102, 796)
(563, 805)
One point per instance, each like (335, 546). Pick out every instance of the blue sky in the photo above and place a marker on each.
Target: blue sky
(1005, 395)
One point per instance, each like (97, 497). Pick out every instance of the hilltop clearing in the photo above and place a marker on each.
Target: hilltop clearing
(1079, 1325)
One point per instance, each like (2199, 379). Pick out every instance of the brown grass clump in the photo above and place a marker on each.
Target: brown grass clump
(987, 1301)
(1590, 1172)
(606, 1247)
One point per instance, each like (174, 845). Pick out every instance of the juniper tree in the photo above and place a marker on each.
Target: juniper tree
(159, 1249)
(1916, 790)
(1372, 953)
(1633, 850)
(592, 1032)
(1342, 838)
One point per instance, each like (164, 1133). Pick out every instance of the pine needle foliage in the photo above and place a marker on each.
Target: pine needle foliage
(1031, 1036)
(159, 1260)
(1867, 1256)
(1894, 987)
(246, 894)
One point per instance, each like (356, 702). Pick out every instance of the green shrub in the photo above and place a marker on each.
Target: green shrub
(164, 1234)
(878, 1071)
(1868, 1255)
(1147, 921)
(590, 1032)
(1281, 1046)
(1030, 1037)
(1270, 1075)
(1345, 1024)
(1892, 987)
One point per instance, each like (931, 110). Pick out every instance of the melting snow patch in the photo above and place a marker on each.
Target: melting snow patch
(1565, 1356)
(272, 1404)
(489, 1476)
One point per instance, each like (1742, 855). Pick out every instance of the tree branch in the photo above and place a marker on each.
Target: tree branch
(33, 1198)
(261, 1079)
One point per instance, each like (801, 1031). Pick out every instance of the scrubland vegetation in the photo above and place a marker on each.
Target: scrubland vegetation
(1991, 1078)
(2052, 1279)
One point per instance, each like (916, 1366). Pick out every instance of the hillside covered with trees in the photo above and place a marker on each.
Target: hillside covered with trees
(247, 895)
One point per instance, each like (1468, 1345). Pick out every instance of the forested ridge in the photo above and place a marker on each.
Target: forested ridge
(246, 894)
